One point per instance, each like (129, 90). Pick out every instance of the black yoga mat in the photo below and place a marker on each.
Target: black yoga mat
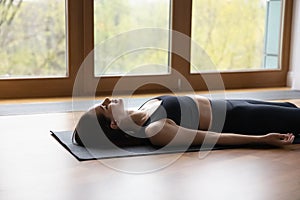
(82, 154)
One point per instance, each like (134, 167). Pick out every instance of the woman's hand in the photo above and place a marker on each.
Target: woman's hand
(277, 139)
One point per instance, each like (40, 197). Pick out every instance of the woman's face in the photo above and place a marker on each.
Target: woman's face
(112, 109)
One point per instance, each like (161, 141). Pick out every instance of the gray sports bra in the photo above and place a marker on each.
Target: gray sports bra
(181, 109)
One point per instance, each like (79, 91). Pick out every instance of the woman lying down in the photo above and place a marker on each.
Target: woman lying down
(189, 120)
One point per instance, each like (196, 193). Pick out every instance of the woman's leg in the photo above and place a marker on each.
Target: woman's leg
(284, 104)
(258, 117)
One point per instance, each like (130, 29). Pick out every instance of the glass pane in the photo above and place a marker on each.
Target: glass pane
(131, 37)
(32, 38)
(271, 62)
(272, 42)
(273, 27)
(232, 34)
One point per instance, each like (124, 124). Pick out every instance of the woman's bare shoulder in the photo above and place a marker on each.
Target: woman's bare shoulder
(159, 132)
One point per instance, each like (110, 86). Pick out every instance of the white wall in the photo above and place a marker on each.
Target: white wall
(294, 73)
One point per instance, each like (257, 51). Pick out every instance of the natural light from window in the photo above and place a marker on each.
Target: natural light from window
(237, 35)
(32, 39)
(116, 26)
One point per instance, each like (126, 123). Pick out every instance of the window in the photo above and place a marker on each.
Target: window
(32, 39)
(42, 52)
(236, 34)
(118, 25)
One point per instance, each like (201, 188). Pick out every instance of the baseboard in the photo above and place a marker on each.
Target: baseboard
(290, 79)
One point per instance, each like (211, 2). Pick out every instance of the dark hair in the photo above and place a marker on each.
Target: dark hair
(83, 132)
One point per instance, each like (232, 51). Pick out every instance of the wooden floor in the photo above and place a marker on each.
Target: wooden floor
(35, 166)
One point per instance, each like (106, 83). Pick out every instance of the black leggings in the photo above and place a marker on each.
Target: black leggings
(254, 117)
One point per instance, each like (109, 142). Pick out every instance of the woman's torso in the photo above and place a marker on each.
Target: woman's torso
(187, 111)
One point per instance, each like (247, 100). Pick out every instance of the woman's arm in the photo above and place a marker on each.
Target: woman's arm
(164, 131)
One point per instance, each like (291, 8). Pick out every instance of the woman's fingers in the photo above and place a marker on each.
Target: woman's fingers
(287, 138)
(291, 138)
(278, 139)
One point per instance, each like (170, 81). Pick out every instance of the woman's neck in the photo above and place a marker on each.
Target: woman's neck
(137, 118)
(134, 121)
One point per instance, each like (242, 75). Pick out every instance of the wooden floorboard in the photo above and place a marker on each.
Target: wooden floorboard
(35, 166)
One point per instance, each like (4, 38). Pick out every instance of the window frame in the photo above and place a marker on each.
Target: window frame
(79, 17)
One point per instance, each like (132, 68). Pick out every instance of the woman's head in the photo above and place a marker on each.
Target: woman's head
(99, 126)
